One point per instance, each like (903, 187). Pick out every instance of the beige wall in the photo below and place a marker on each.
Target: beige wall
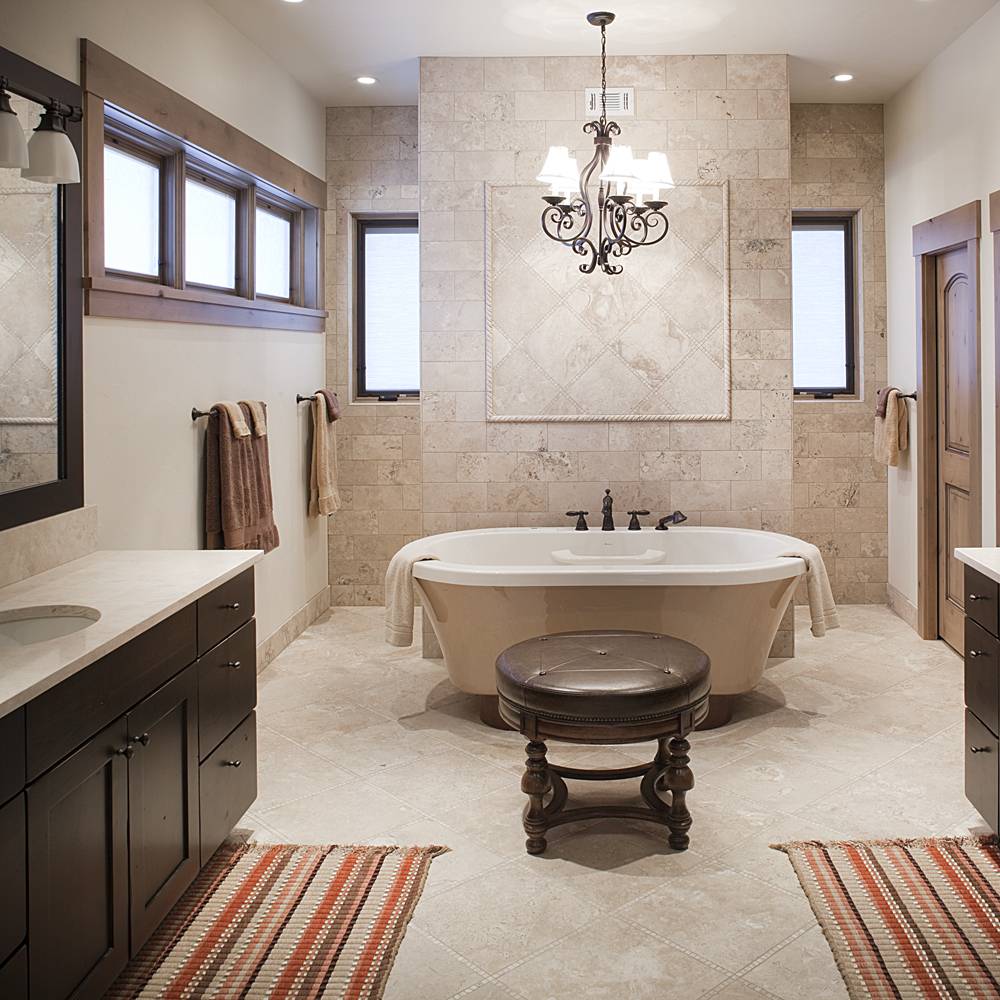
(839, 491)
(142, 451)
(942, 151)
(371, 169)
(491, 121)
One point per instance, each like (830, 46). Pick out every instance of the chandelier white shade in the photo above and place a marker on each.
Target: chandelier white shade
(560, 171)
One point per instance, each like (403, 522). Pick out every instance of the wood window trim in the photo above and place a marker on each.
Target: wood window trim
(125, 105)
(293, 216)
(403, 221)
(958, 228)
(850, 221)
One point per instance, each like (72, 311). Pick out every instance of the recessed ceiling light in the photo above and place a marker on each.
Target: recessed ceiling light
(843, 77)
(293, 1)
(367, 80)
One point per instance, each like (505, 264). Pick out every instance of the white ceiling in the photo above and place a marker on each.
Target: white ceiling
(325, 44)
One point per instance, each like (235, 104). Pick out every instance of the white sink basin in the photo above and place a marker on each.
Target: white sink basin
(26, 626)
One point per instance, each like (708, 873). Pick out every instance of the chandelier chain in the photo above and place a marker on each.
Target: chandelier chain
(604, 74)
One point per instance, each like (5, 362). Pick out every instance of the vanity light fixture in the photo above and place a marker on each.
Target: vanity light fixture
(13, 146)
(843, 77)
(367, 81)
(629, 210)
(52, 158)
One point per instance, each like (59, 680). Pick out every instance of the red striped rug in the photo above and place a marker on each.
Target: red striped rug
(907, 919)
(280, 921)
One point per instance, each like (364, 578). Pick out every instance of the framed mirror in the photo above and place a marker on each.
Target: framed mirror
(41, 316)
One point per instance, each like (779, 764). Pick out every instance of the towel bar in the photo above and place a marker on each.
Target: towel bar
(197, 414)
(908, 395)
(299, 398)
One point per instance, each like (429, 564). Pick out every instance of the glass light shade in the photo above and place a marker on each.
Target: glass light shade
(52, 158)
(658, 167)
(568, 186)
(13, 147)
(556, 168)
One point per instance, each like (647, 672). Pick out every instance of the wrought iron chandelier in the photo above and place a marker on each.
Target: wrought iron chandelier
(628, 217)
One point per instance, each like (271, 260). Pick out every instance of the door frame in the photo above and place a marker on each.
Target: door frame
(995, 230)
(953, 230)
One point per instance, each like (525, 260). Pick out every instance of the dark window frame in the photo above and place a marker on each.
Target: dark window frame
(847, 223)
(398, 223)
(196, 173)
(293, 215)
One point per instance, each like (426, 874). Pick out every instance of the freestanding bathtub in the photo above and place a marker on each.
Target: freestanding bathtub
(724, 589)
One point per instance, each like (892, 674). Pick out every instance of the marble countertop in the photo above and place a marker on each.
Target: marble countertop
(987, 561)
(132, 590)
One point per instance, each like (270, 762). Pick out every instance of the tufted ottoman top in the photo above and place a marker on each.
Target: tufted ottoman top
(613, 676)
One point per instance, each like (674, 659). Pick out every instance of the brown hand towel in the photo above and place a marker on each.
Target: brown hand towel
(892, 430)
(239, 508)
(237, 421)
(323, 495)
(882, 400)
(332, 404)
(257, 416)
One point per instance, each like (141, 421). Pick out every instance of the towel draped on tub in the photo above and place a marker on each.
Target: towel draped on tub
(822, 607)
(399, 596)
(239, 507)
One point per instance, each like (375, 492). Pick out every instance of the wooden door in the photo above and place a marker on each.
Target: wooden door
(958, 411)
(78, 870)
(163, 801)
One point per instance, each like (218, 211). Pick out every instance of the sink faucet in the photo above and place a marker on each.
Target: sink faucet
(676, 518)
(608, 524)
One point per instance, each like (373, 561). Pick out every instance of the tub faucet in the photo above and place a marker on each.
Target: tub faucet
(633, 519)
(608, 524)
(676, 518)
(581, 518)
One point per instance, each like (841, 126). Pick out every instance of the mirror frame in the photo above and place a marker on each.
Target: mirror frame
(32, 503)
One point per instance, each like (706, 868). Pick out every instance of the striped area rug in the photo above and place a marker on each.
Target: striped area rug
(280, 921)
(907, 919)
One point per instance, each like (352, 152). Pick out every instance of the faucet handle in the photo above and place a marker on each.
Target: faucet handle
(581, 518)
(634, 515)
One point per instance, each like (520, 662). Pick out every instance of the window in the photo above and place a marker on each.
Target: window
(387, 270)
(209, 234)
(273, 248)
(131, 212)
(188, 236)
(824, 344)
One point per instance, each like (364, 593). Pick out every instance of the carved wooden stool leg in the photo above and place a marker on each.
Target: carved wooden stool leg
(535, 783)
(680, 780)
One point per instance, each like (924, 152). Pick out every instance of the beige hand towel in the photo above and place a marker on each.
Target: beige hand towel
(237, 420)
(324, 498)
(399, 598)
(822, 608)
(257, 416)
(892, 430)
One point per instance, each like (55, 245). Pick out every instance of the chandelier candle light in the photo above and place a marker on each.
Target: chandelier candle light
(630, 215)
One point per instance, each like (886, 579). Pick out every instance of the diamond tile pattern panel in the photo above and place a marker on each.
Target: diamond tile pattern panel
(652, 342)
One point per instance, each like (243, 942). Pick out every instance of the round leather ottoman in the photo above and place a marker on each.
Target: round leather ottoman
(600, 687)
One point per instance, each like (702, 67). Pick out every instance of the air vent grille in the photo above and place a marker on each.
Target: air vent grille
(621, 101)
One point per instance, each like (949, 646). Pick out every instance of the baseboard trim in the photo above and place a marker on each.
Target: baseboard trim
(292, 628)
(900, 605)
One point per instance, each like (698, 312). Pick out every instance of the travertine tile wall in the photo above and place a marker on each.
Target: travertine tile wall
(371, 169)
(839, 491)
(490, 121)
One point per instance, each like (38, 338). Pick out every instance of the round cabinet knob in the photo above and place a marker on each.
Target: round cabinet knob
(143, 739)
(977, 597)
(235, 606)
(979, 749)
(233, 664)
(128, 752)
(973, 653)
(233, 763)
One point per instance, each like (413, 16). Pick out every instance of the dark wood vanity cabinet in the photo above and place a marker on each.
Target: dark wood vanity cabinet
(982, 695)
(102, 833)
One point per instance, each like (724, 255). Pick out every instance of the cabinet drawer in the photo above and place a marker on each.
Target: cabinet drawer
(224, 610)
(13, 877)
(982, 674)
(12, 775)
(227, 687)
(63, 718)
(228, 785)
(981, 602)
(14, 976)
(982, 773)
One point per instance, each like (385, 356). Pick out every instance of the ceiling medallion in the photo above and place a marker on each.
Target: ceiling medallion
(630, 216)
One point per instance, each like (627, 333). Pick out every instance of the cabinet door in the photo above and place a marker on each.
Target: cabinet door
(78, 870)
(163, 801)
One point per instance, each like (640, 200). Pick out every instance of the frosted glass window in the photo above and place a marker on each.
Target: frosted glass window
(273, 243)
(822, 306)
(209, 235)
(131, 213)
(388, 307)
